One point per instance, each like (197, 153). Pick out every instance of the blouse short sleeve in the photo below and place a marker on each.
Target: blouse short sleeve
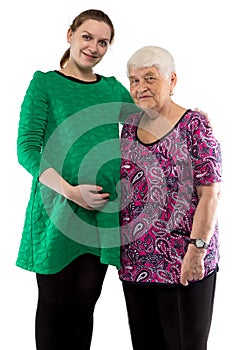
(205, 151)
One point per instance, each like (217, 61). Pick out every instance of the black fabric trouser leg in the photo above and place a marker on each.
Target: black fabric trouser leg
(170, 317)
(64, 317)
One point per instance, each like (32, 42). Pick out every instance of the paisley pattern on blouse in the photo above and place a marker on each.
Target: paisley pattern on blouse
(159, 198)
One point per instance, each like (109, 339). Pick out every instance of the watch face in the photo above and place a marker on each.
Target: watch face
(200, 243)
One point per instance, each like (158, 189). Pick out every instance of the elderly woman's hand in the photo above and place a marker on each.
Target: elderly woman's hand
(192, 268)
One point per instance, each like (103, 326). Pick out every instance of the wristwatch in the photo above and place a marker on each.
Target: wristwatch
(199, 243)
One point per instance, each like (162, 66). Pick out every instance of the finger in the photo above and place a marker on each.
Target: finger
(200, 276)
(97, 203)
(89, 208)
(85, 206)
(184, 280)
(98, 206)
(94, 188)
(105, 195)
(100, 197)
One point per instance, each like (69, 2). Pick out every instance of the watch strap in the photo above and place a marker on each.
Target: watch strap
(199, 243)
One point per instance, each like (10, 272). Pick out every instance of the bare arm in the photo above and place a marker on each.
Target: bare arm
(203, 227)
(87, 196)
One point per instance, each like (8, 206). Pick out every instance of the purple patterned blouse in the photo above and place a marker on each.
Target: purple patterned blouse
(159, 197)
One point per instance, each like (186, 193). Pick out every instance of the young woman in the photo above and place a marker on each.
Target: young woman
(68, 124)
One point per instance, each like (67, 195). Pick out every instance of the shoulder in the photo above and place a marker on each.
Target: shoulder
(131, 122)
(44, 81)
(196, 118)
(195, 122)
(198, 130)
(133, 119)
(111, 80)
(38, 77)
(38, 74)
(117, 88)
(191, 114)
(43, 76)
(39, 84)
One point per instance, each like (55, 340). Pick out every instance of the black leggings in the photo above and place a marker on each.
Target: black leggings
(170, 318)
(64, 318)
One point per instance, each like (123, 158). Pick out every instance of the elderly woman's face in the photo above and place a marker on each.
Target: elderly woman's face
(149, 88)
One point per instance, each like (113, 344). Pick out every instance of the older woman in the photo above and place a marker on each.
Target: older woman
(171, 174)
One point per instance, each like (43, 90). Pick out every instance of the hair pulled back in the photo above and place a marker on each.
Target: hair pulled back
(96, 15)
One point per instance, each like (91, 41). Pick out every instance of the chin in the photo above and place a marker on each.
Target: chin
(146, 107)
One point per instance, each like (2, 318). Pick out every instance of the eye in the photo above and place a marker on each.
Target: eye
(133, 81)
(86, 37)
(150, 79)
(103, 43)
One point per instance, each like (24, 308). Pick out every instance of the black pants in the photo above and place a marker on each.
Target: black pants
(64, 318)
(170, 317)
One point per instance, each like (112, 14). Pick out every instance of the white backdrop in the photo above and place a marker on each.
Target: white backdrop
(33, 36)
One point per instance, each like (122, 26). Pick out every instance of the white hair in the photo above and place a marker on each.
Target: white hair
(149, 56)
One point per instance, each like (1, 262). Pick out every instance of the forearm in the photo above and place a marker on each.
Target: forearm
(55, 181)
(205, 217)
(203, 227)
(86, 196)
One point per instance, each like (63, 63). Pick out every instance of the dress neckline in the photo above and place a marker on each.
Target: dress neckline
(69, 77)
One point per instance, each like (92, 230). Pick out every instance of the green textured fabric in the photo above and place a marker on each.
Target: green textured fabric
(72, 127)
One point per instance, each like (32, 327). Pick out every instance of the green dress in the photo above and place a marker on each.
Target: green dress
(73, 127)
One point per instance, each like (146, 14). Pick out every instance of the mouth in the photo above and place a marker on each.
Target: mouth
(89, 56)
(144, 97)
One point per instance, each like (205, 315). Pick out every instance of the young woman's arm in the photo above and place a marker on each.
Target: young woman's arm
(87, 196)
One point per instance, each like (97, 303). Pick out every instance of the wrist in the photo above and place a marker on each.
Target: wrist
(67, 190)
(198, 243)
(196, 251)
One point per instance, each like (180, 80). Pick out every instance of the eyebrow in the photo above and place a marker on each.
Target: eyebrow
(147, 74)
(151, 73)
(86, 32)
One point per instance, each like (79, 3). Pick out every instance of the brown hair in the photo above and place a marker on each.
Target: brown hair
(79, 20)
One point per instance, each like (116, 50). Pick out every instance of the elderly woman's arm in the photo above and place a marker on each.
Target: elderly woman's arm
(203, 227)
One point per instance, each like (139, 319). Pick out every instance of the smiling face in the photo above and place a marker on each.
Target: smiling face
(88, 44)
(150, 89)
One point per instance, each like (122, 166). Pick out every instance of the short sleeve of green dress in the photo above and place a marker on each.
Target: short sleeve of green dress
(73, 127)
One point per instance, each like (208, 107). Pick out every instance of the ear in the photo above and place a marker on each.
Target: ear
(173, 80)
(69, 36)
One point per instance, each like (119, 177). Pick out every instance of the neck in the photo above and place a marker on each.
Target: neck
(153, 124)
(79, 73)
(170, 113)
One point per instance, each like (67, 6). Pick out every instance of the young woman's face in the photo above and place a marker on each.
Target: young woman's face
(89, 43)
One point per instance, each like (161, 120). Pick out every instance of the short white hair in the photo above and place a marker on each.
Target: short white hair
(149, 56)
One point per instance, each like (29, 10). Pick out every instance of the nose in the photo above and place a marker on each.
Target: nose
(141, 88)
(93, 47)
